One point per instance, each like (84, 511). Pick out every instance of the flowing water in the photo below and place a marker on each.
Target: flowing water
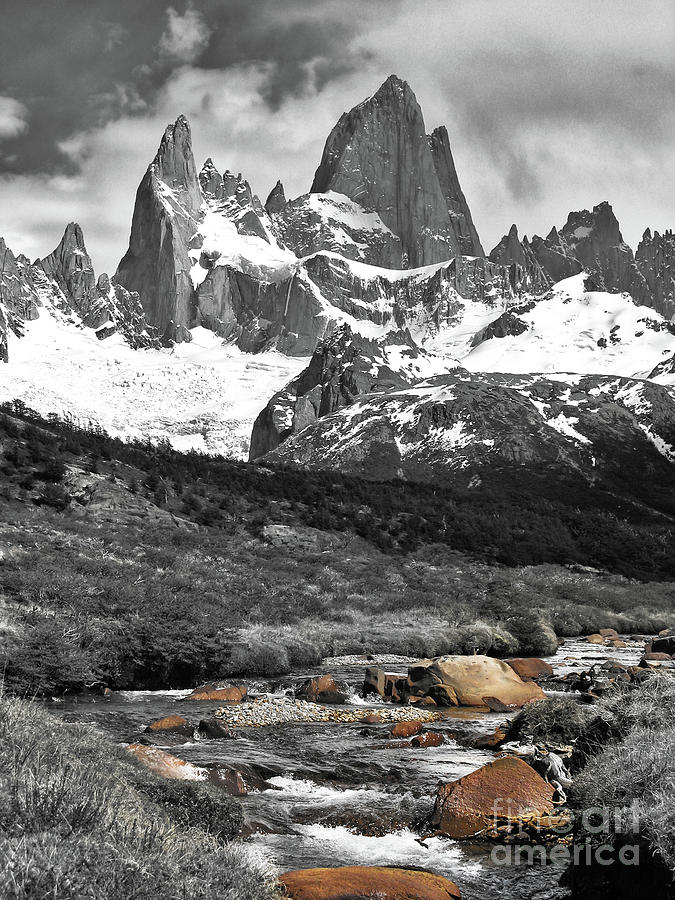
(342, 794)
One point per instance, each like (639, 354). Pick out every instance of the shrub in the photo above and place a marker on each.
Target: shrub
(559, 720)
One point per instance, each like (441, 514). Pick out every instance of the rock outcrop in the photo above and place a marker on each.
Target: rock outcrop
(71, 268)
(655, 260)
(449, 427)
(276, 199)
(378, 154)
(527, 271)
(475, 678)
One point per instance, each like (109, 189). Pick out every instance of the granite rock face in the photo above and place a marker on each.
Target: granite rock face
(378, 155)
(450, 427)
(71, 268)
(513, 252)
(168, 203)
(345, 366)
(458, 208)
(655, 260)
(276, 199)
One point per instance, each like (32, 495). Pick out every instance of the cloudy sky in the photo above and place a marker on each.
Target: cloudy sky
(551, 105)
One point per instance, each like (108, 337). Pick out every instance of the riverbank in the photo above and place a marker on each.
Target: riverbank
(344, 792)
(79, 818)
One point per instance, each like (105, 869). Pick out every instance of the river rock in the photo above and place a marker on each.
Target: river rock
(167, 766)
(664, 645)
(406, 729)
(213, 728)
(428, 739)
(323, 689)
(506, 788)
(216, 691)
(610, 633)
(367, 882)
(176, 724)
(530, 668)
(474, 678)
(373, 682)
(595, 639)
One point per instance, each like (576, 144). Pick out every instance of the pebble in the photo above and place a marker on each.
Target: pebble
(282, 710)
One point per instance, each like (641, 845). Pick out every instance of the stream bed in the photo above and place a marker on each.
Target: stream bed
(344, 794)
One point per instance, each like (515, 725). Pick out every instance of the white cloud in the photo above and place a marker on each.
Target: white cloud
(185, 36)
(13, 117)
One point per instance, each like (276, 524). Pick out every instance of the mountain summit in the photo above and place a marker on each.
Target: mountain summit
(379, 156)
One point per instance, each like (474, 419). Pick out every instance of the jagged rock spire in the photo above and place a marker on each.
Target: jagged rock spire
(379, 156)
(70, 266)
(276, 199)
(465, 230)
(168, 203)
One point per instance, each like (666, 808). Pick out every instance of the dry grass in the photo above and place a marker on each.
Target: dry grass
(78, 818)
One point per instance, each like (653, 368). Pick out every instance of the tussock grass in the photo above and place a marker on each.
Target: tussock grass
(80, 818)
(560, 719)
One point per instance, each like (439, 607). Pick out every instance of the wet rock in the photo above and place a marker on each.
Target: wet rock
(372, 719)
(491, 741)
(530, 668)
(428, 739)
(664, 645)
(323, 689)
(406, 729)
(217, 691)
(443, 695)
(595, 639)
(474, 678)
(165, 764)
(213, 728)
(373, 682)
(366, 882)
(175, 724)
(236, 781)
(506, 788)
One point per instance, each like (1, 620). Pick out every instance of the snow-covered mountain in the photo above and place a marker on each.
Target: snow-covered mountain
(376, 276)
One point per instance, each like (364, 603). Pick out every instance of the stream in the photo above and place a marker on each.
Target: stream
(339, 796)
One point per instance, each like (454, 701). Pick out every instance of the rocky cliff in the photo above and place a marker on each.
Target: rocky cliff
(378, 154)
(166, 211)
(655, 260)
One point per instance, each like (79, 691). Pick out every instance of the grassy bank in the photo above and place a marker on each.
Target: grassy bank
(625, 763)
(132, 566)
(85, 606)
(79, 818)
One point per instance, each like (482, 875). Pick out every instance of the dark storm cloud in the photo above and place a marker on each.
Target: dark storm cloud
(78, 64)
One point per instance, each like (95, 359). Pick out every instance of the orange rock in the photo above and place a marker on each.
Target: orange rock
(372, 719)
(428, 739)
(171, 723)
(365, 882)
(618, 644)
(507, 788)
(224, 694)
(529, 668)
(406, 729)
(595, 639)
(610, 633)
(323, 689)
(162, 763)
(475, 677)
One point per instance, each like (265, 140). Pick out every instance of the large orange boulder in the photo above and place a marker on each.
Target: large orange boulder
(504, 789)
(222, 693)
(472, 678)
(530, 668)
(428, 739)
(175, 724)
(367, 882)
(162, 763)
(595, 639)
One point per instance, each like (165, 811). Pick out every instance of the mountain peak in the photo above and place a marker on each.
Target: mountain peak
(174, 162)
(379, 156)
(276, 199)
